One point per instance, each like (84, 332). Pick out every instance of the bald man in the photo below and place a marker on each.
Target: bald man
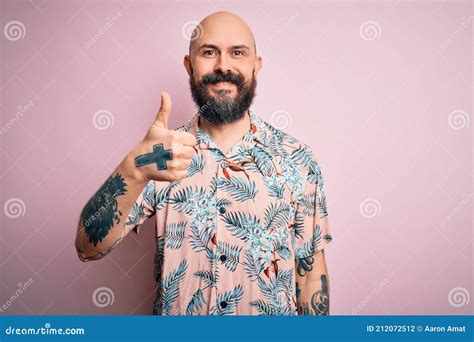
(240, 209)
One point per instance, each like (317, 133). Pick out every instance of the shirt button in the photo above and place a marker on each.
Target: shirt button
(224, 164)
(223, 304)
(223, 258)
(222, 210)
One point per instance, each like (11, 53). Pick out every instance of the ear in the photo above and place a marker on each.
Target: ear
(257, 65)
(187, 65)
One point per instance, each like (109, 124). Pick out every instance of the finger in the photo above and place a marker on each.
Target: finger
(185, 164)
(186, 138)
(163, 115)
(187, 152)
(180, 164)
(181, 174)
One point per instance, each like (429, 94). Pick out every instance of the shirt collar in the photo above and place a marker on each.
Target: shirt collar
(258, 133)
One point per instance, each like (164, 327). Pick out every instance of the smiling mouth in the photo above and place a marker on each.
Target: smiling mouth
(222, 85)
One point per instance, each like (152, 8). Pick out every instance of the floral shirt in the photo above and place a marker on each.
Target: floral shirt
(228, 234)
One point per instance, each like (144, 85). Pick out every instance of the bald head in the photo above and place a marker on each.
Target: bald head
(222, 28)
(222, 66)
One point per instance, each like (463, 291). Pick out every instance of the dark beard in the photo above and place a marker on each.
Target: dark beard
(222, 109)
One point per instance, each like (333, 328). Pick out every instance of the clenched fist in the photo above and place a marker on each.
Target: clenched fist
(163, 154)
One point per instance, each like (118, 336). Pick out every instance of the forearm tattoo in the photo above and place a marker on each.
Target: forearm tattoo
(305, 265)
(159, 156)
(101, 212)
(319, 301)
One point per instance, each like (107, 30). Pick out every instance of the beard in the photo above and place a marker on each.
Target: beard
(222, 109)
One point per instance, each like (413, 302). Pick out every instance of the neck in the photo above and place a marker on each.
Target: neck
(226, 135)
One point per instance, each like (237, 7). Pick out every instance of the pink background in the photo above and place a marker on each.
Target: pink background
(386, 109)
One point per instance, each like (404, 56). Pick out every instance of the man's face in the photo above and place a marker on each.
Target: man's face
(223, 98)
(222, 69)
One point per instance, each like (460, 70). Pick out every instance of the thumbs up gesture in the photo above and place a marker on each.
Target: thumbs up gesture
(163, 154)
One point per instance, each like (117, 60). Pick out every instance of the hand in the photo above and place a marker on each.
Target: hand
(163, 154)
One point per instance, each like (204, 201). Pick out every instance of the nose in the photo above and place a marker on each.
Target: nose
(223, 64)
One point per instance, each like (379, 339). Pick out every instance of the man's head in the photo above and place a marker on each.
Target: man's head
(222, 65)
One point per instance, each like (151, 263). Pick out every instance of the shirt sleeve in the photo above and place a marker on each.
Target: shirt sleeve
(143, 208)
(312, 231)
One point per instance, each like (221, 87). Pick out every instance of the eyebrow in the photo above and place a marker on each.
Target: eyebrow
(211, 46)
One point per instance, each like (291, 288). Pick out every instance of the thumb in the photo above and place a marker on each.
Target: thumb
(165, 110)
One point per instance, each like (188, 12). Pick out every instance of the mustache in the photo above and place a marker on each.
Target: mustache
(217, 77)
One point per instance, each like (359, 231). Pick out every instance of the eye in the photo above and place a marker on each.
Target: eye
(238, 53)
(208, 52)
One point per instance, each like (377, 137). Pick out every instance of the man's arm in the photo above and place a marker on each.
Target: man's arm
(102, 221)
(312, 285)
(163, 155)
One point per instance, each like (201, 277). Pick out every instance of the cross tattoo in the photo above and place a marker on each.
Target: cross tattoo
(158, 156)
